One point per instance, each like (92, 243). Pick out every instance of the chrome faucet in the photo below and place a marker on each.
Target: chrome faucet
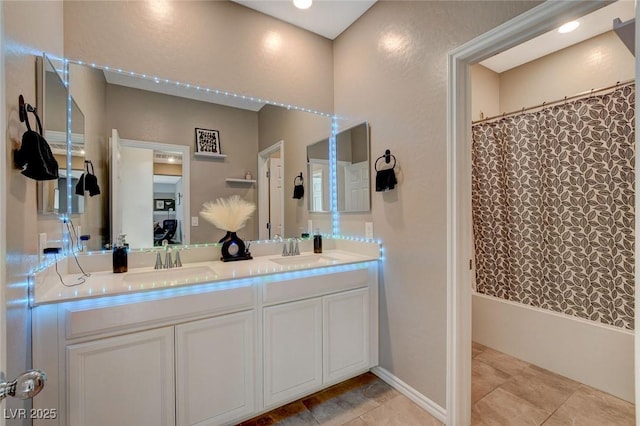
(168, 263)
(293, 249)
(177, 263)
(158, 261)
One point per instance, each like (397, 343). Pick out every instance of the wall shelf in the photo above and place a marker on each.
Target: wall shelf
(247, 181)
(209, 155)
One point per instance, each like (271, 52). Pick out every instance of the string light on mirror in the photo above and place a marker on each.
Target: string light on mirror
(196, 88)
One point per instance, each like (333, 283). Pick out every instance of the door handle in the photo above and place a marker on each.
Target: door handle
(25, 386)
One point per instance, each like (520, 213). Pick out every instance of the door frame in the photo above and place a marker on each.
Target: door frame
(3, 209)
(185, 151)
(263, 188)
(536, 21)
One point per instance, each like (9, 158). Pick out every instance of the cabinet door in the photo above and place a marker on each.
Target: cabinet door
(215, 373)
(292, 350)
(125, 380)
(345, 334)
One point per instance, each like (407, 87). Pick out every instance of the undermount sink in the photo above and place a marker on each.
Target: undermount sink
(305, 260)
(172, 276)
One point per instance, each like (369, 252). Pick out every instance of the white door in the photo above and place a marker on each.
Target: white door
(292, 350)
(356, 187)
(345, 334)
(114, 193)
(180, 213)
(124, 380)
(136, 195)
(215, 369)
(276, 214)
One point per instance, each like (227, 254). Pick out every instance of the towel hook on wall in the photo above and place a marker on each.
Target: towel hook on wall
(23, 108)
(387, 159)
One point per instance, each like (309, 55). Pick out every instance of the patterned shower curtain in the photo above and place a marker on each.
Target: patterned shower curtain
(553, 207)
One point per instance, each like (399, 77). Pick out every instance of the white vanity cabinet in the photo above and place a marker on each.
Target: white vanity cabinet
(346, 338)
(124, 380)
(214, 355)
(215, 374)
(321, 340)
(292, 350)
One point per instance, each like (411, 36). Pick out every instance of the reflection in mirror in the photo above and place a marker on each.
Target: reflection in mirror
(150, 192)
(52, 195)
(154, 109)
(352, 151)
(319, 179)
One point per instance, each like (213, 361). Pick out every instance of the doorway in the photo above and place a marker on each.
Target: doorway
(271, 192)
(537, 21)
(156, 207)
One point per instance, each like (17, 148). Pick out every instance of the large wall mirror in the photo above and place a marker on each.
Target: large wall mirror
(352, 172)
(319, 182)
(157, 112)
(52, 102)
(352, 169)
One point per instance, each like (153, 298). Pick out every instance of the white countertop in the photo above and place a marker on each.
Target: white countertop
(50, 289)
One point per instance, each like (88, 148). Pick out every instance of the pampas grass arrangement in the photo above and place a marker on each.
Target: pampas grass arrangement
(230, 214)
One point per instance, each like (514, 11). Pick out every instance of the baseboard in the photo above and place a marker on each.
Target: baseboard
(434, 409)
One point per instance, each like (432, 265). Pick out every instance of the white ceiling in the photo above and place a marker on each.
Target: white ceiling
(328, 18)
(591, 25)
(166, 179)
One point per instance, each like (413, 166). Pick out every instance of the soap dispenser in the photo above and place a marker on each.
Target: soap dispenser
(317, 242)
(120, 263)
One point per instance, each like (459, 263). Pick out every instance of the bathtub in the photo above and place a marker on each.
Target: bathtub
(597, 355)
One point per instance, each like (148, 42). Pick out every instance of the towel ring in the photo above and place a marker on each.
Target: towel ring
(387, 158)
(298, 177)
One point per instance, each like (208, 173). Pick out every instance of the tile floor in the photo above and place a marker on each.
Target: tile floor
(505, 391)
(363, 400)
(508, 391)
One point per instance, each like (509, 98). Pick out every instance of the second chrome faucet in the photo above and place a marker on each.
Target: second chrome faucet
(293, 250)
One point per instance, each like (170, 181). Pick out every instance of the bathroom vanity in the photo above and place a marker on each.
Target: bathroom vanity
(210, 343)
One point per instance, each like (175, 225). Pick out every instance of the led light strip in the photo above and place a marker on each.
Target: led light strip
(333, 177)
(66, 233)
(196, 88)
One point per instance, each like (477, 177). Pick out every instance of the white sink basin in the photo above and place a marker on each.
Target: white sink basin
(305, 260)
(172, 276)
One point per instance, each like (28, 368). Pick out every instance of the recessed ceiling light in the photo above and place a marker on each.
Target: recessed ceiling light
(568, 27)
(302, 4)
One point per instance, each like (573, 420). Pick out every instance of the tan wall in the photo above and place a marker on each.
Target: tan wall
(214, 43)
(297, 130)
(167, 169)
(598, 62)
(485, 92)
(88, 88)
(154, 117)
(29, 28)
(390, 68)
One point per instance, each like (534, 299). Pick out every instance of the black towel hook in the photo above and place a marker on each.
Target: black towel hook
(387, 159)
(298, 177)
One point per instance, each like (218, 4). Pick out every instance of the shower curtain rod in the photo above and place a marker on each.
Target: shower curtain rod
(565, 99)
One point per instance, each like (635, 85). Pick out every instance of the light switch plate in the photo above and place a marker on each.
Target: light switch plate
(368, 230)
(194, 220)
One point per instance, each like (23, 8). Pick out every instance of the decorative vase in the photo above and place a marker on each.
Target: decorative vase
(233, 248)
